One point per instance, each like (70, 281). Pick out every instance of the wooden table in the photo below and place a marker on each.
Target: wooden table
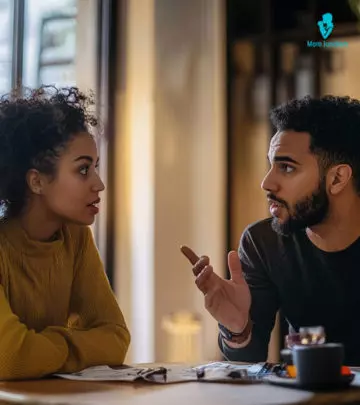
(59, 391)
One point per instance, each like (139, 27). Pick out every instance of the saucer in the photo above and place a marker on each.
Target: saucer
(344, 382)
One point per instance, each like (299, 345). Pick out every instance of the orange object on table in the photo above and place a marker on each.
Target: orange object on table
(291, 370)
(345, 370)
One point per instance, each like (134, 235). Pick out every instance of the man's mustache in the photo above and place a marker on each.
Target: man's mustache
(272, 197)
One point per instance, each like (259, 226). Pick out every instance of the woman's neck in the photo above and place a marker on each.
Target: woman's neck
(39, 226)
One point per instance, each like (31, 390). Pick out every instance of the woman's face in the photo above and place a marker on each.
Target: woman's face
(72, 195)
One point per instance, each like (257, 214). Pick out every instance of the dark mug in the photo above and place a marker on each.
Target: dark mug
(318, 365)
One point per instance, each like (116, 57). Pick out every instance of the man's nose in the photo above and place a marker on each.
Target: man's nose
(269, 182)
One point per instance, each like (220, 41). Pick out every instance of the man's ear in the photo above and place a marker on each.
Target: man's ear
(338, 178)
(35, 181)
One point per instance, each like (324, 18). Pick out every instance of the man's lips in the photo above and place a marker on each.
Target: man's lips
(275, 207)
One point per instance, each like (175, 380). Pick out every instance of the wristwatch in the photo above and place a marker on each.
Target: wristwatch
(236, 337)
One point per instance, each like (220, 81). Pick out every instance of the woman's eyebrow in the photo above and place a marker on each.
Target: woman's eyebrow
(86, 157)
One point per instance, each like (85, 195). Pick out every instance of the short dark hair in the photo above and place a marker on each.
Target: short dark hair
(35, 126)
(334, 127)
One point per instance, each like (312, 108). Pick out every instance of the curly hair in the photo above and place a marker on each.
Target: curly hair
(334, 127)
(35, 127)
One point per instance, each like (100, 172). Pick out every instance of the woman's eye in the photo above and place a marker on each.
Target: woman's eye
(286, 168)
(84, 170)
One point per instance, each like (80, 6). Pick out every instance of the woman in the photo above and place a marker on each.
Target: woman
(57, 310)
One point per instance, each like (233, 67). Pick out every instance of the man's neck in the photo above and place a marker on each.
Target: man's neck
(332, 241)
(338, 231)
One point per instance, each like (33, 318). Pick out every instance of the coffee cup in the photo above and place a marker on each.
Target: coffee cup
(318, 365)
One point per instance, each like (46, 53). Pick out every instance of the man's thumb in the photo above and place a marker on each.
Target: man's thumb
(235, 267)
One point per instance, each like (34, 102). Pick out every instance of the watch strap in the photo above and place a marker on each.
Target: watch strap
(236, 337)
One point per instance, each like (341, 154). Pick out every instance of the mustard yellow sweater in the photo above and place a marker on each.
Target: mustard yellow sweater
(57, 310)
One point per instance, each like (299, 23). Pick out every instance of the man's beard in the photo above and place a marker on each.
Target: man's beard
(309, 211)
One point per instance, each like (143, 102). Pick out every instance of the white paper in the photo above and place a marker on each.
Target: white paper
(214, 371)
(103, 373)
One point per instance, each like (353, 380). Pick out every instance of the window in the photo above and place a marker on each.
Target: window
(50, 42)
(6, 24)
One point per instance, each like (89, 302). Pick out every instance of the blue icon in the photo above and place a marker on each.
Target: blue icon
(326, 25)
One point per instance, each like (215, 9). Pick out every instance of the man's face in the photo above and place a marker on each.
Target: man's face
(296, 193)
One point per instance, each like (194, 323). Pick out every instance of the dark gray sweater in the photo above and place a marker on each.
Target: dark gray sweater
(310, 286)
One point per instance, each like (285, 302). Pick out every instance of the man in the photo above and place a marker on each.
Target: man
(305, 260)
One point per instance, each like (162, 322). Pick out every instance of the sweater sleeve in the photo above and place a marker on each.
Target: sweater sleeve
(100, 336)
(25, 353)
(264, 304)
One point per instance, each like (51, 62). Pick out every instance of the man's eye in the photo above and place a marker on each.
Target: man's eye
(84, 170)
(286, 168)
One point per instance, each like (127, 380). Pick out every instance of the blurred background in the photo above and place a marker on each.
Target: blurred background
(183, 90)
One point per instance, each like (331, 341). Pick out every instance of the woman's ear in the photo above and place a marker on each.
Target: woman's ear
(35, 181)
(338, 178)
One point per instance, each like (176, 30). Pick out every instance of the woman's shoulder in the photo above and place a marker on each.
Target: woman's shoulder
(3, 224)
(6, 229)
(4, 244)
